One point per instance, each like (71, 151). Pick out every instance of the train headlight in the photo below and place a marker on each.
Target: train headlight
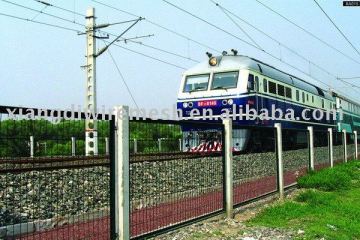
(190, 104)
(213, 61)
(230, 102)
(185, 105)
(224, 102)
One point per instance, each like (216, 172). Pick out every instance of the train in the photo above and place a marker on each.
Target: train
(227, 82)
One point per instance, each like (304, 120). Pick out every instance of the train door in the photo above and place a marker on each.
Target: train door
(257, 93)
(258, 98)
(253, 88)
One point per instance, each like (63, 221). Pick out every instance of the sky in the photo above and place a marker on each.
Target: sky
(40, 65)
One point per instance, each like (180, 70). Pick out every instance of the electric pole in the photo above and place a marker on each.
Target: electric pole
(91, 134)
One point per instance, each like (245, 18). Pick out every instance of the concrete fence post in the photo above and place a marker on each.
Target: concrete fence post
(106, 146)
(331, 147)
(180, 144)
(344, 143)
(280, 165)
(228, 168)
(122, 193)
(73, 146)
(356, 144)
(311, 148)
(32, 146)
(135, 146)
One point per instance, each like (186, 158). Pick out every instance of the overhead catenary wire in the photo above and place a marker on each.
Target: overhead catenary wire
(155, 48)
(308, 32)
(246, 42)
(349, 78)
(232, 20)
(225, 10)
(37, 14)
(334, 24)
(38, 22)
(161, 26)
(218, 51)
(60, 8)
(230, 34)
(149, 56)
(123, 79)
(41, 12)
(77, 23)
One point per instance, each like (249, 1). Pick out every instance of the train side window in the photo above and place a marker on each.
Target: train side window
(297, 95)
(272, 87)
(322, 103)
(251, 86)
(281, 90)
(303, 97)
(265, 85)
(307, 97)
(312, 99)
(257, 83)
(288, 92)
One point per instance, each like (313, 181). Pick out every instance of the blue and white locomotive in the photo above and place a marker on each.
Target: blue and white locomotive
(226, 81)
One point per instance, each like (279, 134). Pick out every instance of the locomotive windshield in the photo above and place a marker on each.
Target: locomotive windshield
(196, 83)
(225, 80)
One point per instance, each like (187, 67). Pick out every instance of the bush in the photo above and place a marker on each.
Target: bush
(315, 198)
(327, 179)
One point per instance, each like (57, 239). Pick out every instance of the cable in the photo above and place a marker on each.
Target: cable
(254, 46)
(74, 22)
(337, 27)
(349, 78)
(146, 45)
(155, 48)
(309, 33)
(36, 15)
(230, 34)
(277, 41)
(123, 79)
(201, 44)
(211, 24)
(160, 26)
(60, 8)
(38, 22)
(231, 19)
(151, 57)
(40, 12)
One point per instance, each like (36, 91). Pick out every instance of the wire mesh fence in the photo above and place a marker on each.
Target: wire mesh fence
(295, 155)
(46, 191)
(358, 146)
(321, 150)
(176, 185)
(338, 147)
(254, 168)
(350, 141)
(49, 188)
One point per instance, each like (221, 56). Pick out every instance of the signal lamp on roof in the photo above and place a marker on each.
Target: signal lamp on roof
(213, 61)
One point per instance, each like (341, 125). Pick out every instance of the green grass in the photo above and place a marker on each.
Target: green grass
(329, 207)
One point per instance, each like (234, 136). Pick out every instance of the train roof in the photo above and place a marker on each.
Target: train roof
(245, 62)
(335, 94)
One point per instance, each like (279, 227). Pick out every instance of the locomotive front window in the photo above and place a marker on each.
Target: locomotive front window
(225, 80)
(196, 83)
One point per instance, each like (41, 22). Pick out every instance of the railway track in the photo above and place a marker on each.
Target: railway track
(26, 164)
(19, 165)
